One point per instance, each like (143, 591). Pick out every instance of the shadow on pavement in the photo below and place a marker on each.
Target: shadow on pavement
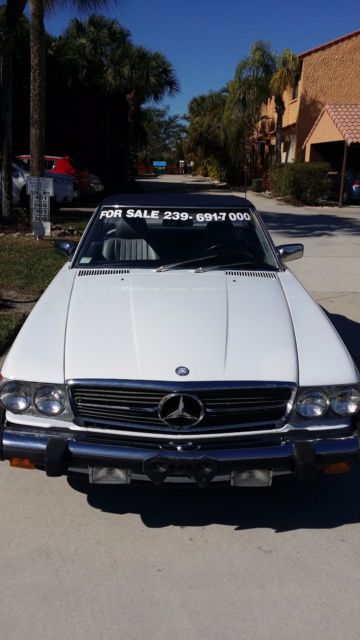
(297, 225)
(330, 502)
(349, 330)
(150, 185)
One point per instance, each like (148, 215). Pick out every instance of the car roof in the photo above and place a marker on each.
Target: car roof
(168, 199)
(26, 155)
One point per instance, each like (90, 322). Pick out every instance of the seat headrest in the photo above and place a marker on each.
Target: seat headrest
(220, 231)
(133, 228)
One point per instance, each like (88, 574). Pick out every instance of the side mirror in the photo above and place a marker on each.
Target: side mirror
(65, 247)
(289, 252)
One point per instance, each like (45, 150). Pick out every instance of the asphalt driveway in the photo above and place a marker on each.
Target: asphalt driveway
(101, 563)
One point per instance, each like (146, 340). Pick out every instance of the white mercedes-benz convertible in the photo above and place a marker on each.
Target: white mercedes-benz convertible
(174, 345)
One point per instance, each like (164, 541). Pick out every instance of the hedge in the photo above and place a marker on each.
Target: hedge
(299, 182)
(257, 185)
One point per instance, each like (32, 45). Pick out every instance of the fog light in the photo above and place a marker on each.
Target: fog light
(251, 478)
(22, 463)
(337, 467)
(109, 475)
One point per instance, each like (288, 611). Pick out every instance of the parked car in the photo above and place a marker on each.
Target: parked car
(69, 166)
(95, 184)
(175, 345)
(351, 186)
(66, 188)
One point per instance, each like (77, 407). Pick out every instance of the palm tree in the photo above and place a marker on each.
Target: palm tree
(37, 82)
(287, 68)
(246, 93)
(91, 49)
(10, 17)
(258, 76)
(101, 53)
(206, 135)
(144, 76)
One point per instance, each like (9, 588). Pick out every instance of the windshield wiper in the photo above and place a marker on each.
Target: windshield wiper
(228, 265)
(175, 265)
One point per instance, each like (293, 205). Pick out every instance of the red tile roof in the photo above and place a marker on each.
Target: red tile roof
(330, 43)
(346, 117)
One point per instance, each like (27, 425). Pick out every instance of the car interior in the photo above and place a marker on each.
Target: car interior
(132, 240)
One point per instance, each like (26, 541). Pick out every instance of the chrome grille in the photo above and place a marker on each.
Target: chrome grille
(226, 409)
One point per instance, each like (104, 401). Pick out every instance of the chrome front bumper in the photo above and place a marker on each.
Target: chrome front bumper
(59, 453)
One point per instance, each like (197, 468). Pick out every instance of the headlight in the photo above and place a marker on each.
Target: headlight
(49, 400)
(345, 402)
(312, 404)
(15, 397)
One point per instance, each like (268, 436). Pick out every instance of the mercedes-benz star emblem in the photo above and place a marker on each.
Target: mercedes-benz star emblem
(181, 410)
(182, 371)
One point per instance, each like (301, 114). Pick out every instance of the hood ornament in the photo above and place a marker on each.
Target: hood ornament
(182, 371)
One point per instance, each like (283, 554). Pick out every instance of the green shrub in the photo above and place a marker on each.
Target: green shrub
(211, 168)
(299, 182)
(10, 324)
(257, 185)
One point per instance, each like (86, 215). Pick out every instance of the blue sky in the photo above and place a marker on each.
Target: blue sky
(205, 39)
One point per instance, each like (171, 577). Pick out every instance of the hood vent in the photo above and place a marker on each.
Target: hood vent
(253, 274)
(102, 272)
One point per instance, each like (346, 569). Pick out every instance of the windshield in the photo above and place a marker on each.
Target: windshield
(165, 239)
(23, 164)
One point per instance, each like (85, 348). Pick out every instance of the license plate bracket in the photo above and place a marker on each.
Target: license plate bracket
(202, 469)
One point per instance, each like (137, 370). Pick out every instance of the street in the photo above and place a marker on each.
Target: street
(174, 563)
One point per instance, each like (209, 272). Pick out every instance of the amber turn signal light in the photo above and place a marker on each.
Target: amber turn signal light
(337, 467)
(22, 463)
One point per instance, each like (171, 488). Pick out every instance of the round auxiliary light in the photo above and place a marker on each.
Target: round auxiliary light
(15, 397)
(49, 400)
(345, 402)
(312, 404)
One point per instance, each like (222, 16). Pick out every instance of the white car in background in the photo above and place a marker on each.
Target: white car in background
(66, 189)
(175, 346)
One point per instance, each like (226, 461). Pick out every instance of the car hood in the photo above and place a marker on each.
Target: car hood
(143, 325)
(113, 324)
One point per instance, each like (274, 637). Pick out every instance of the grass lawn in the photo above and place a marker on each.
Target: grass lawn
(27, 265)
(72, 218)
(10, 324)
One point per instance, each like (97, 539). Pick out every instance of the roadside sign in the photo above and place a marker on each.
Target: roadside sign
(40, 191)
(159, 163)
(40, 214)
(34, 184)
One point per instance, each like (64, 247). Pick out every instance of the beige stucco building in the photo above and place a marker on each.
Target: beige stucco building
(329, 76)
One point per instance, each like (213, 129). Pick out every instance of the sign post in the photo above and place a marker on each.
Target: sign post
(159, 166)
(40, 191)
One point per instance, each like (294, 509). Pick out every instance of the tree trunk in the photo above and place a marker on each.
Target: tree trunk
(280, 110)
(133, 106)
(6, 129)
(37, 88)
(13, 12)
